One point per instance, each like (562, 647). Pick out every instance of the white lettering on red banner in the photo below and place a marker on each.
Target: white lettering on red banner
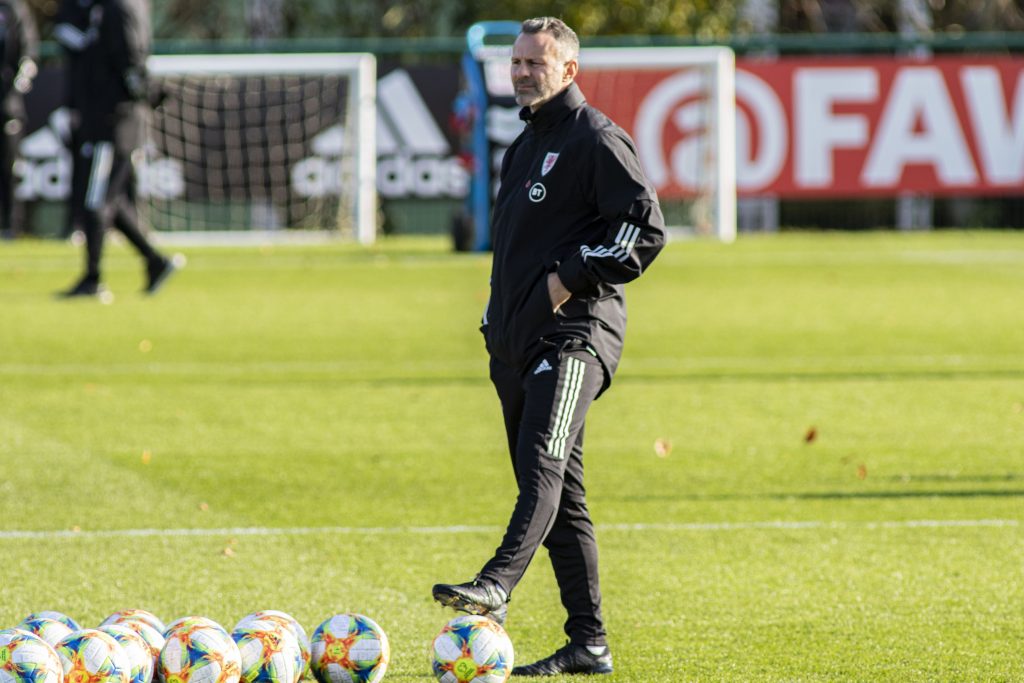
(813, 127)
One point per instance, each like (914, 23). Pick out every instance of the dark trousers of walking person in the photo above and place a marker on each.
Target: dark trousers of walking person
(544, 409)
(104, 193)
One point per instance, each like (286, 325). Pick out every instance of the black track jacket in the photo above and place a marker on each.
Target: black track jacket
(573, 200)
(106, 43)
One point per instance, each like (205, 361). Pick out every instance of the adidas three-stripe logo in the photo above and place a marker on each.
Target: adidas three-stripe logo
(571, 383)
(624, 243)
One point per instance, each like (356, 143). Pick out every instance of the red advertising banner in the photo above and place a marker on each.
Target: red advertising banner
(842, 127)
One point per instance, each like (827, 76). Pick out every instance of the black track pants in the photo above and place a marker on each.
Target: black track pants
(104, 192)
(544, 410)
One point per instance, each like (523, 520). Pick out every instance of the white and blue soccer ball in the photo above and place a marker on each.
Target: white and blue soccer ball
(139, 654)
(349, 648)
(198, 650)
(288, 622)
(92, 656)
(270, 653)
(50, 630)
(27, 658)
(58, 616)
(472, 649)
(135, 615)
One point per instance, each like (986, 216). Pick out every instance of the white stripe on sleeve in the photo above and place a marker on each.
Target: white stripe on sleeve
(623, 245)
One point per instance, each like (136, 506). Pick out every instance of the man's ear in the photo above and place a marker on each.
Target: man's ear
(572, 68)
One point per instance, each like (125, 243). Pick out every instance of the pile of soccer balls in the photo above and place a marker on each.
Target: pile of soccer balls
(134, 646)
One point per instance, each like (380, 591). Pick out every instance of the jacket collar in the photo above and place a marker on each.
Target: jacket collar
(555, 109)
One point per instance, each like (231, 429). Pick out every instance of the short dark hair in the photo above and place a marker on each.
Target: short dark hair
(566, 38)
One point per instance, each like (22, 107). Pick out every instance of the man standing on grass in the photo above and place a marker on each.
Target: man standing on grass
(106, 43)
(574, 220)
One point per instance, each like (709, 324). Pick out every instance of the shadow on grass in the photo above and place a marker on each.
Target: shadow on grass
(826, 495)
(954, 478)
(824, 376)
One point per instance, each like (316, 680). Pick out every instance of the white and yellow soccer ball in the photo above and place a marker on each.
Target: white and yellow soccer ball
(472, 649)
(149, 627)
(50, 630)
(134, 615)
(91, 656)
(139, 654)
(349, 648)
(198, 650)
(270, 653)
(27, 658)
(190, 622)
(288, 622)
(153, 638)
(58, 616)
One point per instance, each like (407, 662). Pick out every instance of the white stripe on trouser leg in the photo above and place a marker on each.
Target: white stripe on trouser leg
(572, 383)
(99, 175)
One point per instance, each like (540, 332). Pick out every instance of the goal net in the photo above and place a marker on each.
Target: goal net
(251, 145)
(679, 106)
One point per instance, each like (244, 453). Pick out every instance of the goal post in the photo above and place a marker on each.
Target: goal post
(683, 120)
(261, 145)
(677, 103)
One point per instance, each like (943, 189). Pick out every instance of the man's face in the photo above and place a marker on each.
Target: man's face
(539, 70)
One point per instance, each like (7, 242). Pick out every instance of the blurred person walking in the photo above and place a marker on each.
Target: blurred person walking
(19, 47)
(574, 220)
(106, 43)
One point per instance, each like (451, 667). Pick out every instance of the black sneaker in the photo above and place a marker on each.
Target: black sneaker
(476, 597)
(158, 271)
(571, 659)
(87, 286)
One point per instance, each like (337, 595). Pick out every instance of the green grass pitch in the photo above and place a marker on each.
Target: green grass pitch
(838, 496)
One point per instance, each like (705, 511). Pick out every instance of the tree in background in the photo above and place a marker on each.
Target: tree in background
(264, 19)
(703, 19)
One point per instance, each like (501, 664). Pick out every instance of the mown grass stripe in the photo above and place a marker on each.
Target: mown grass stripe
(14, 534)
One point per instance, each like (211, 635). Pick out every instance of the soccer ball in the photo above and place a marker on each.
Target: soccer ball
(472, 649)
(124, 615)
(50, 630)
(139, 654)
(288, 622)
(91, 656)
(270, 653)
(27, 658)
(192, 621)
(349, 648)
(154, 638)
(198, 650)
(62, 618)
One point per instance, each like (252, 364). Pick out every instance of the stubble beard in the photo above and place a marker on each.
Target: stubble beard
(527, 97)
